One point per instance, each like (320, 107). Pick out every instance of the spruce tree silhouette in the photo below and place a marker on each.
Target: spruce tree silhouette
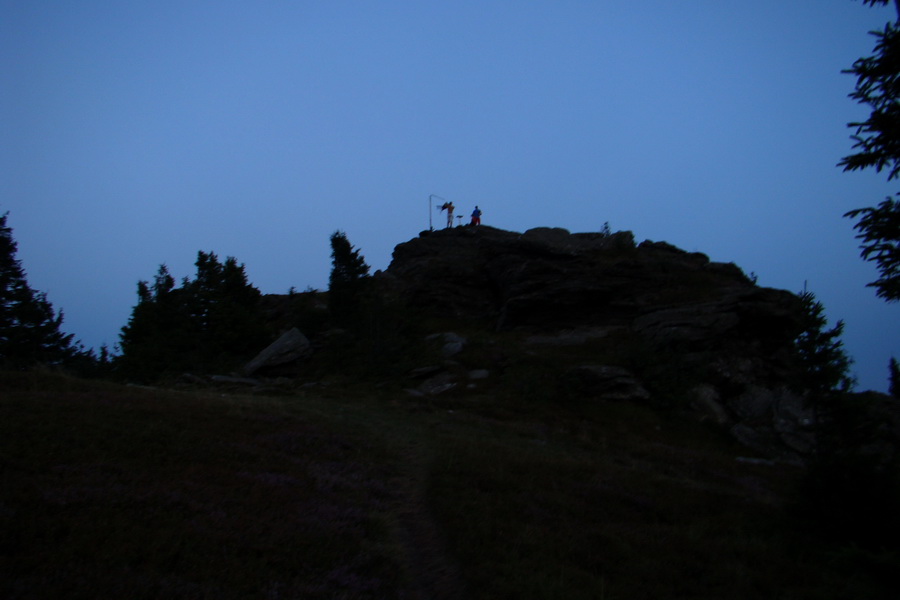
(877, 140)
(823, 362)
(347, 281)
(29, 328)
(210, 322)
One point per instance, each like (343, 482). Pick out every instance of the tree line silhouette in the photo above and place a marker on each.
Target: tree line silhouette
(216, 319)
(212, 321)
(203, 324)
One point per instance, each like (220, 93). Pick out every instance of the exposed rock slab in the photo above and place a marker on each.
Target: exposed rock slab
(290, 347)
(606, 382)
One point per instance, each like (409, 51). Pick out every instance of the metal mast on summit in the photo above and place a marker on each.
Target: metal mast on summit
(430, 228)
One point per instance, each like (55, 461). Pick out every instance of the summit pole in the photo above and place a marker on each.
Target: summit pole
(430, 228)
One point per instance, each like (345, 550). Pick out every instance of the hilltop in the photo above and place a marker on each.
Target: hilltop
(629, 306)
(590, 315)
(555, 317)
(522, 415)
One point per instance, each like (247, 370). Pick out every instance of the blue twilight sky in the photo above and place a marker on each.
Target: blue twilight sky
(137, 133)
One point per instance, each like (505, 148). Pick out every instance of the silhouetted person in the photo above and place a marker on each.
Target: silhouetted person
(476, 216)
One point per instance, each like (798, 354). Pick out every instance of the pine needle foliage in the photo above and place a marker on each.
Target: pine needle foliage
(208, 323)
(30, 330)
(848, 493)
(348, 279)
(879, 232)
(823, 363)
(877, 141)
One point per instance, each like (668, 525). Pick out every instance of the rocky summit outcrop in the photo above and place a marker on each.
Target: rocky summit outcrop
(707, 318)
(550, 279)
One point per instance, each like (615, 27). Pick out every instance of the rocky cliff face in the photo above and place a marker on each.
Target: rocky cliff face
(561, 286)
(550, 279)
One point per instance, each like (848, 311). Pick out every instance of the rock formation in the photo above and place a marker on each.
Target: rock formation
(551, 279)
(565, 288)
(291, 346)
(594, 316)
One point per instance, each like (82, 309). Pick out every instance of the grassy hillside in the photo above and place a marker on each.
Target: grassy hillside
(109, 491)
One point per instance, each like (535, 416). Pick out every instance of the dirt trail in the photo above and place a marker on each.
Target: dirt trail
(432, 571)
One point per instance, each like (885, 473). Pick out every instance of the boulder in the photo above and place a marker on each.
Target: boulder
(570, 337)
(764, 441)
(606, 382)
(754, 405)
(451, 343)
(706, 400)
(756, 318)
(443, 382)
(290, 347)
(426, 371)
(778, 418)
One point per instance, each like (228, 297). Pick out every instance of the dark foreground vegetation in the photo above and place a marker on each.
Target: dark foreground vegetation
(340, 491)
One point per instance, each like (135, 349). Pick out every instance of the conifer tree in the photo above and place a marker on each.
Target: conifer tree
(877, 141)
(157, 336)
(29, 328)
(824, 364)
(879, 232)
(212, 321)
(845, 490)
(347, 281)
(823, 371)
